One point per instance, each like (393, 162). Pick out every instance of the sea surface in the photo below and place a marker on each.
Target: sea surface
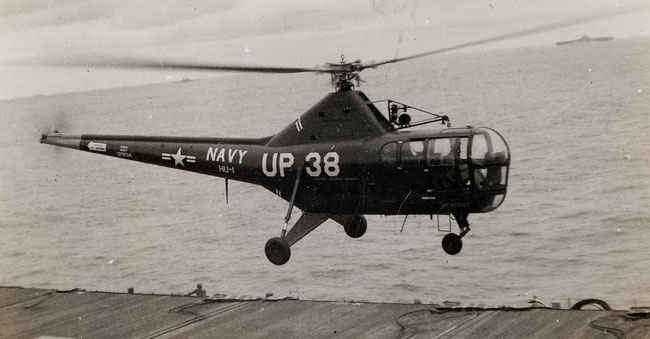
(575, 223)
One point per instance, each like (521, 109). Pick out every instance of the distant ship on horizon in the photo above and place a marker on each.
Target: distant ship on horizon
(585, 38)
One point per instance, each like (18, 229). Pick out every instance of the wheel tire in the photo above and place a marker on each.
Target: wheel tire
(452, 243)
(596, 302)
(277, 251)
(357, 228)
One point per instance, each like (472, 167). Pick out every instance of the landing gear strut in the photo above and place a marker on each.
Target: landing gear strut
(278, 249)
(453, 243)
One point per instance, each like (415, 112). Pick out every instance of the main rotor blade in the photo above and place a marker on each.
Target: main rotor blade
(143, 63)
(508, 36)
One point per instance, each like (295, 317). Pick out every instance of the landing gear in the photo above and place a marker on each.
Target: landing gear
(453, 243)
(356, 227)
(277, 250)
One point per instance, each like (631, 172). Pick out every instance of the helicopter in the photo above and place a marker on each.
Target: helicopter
(341, 159)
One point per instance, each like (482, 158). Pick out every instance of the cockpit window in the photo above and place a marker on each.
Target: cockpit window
(446, 151)
(490, 160)
(479, 147)
(413, 152)
(389, 153)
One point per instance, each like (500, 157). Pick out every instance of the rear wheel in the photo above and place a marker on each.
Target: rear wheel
(277, 251)
(452, 243)
(357, 227)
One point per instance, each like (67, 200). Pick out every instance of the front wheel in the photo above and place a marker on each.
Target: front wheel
(277, 251)
(452, 243)
(357, 227)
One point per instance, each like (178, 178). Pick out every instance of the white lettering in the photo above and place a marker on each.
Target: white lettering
(226, 169)
(312, 161)
(279, 163)
(331, 164)
(231, 154)
(219, 154)
(273, 171)
(222, 155)
(212, 154)
(241, 155)
(286, 161)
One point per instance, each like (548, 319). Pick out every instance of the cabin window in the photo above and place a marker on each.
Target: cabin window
(389, 153)
(464, 147)
(435, 150)
(412, 152)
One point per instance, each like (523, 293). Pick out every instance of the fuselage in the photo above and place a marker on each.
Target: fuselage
(370, 171)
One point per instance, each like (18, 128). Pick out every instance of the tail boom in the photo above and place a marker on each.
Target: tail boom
(223, 157)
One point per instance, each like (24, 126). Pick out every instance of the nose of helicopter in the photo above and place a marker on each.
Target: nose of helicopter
(490, 164)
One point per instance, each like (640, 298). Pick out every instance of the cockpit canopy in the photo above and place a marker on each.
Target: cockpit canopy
(476, 158)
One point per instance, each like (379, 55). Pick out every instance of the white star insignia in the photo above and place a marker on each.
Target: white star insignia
(179, 157)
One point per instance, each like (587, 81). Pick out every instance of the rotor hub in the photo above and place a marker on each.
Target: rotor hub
(344, 74)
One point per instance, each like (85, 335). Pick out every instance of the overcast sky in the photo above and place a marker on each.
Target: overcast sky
(281, 32)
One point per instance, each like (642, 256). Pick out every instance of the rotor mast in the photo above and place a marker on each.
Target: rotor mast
(344, 73)
(343, 81)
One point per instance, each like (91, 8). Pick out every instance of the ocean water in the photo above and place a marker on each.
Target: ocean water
(575, 223)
